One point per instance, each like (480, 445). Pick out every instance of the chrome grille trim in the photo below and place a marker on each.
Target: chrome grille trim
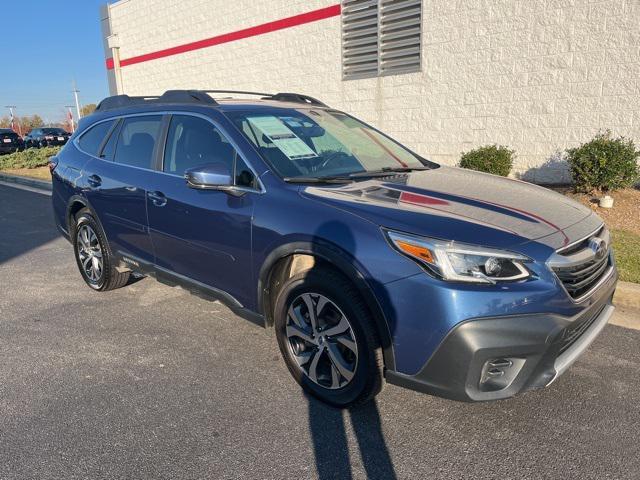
(582, 269)
(561, 251)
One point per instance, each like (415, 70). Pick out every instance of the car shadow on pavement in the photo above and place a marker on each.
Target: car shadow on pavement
(329, 435)
(327, 424)
(26, 222)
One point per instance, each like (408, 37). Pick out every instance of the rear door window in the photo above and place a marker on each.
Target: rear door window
(92, 139)
(137, 139)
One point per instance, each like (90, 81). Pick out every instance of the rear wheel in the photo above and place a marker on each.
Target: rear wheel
(327, 338)
(92, 255)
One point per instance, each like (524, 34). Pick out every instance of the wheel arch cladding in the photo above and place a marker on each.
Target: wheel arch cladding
(291, 258)
(74, 205)
(77, 203)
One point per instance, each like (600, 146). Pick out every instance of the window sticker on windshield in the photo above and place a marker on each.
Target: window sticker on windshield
(282, 137)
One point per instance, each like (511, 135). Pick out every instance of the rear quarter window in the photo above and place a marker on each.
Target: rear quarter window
(91, 141)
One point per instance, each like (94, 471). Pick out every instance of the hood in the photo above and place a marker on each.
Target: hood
(461, 205)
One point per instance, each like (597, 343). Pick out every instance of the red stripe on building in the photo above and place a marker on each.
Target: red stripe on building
(281, 24)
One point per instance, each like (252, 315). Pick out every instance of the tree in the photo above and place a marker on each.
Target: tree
(29, 122)
(26, 122)
(88, 109)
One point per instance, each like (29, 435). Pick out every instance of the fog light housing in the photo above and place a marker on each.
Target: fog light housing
(499, 373)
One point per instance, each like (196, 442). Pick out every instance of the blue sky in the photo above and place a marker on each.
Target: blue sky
(45, 46)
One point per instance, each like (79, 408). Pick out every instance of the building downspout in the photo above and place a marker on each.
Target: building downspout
(111, 50)
(117, 70)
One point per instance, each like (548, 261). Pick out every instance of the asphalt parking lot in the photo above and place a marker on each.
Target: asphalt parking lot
(151, 382)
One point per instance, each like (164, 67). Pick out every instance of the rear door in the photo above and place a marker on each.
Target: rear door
(117, 184)
(204, 235)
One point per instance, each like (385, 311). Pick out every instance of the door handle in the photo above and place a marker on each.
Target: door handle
(94, 181)
(158, 198)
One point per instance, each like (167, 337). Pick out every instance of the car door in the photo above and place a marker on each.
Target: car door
(204, 235)
(117, 184)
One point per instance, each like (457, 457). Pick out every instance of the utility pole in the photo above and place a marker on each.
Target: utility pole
(75, 94)
(11, 107)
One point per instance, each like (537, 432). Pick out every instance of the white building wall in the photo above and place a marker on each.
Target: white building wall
(536, 75)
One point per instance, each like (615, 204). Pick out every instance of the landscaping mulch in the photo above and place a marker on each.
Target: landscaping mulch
(625, 214)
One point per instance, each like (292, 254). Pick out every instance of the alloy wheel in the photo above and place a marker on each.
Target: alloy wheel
(90, 253)
(321, 340)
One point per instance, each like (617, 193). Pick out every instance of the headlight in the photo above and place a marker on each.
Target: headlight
(455, 261)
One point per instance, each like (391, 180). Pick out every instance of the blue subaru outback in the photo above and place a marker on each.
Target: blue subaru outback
(369, 261)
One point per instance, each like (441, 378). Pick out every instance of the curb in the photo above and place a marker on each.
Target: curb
(29, 182)
(627, 295)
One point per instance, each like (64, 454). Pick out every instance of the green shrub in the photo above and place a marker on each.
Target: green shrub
(604, 164)
(494, 159)
(29, 158)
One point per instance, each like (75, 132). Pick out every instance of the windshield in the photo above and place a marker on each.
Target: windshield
(321, 143)
(53, 131)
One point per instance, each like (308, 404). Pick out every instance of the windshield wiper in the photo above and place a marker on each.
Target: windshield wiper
(318, 180)
(383, 172)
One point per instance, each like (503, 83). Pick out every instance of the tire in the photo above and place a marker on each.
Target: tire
(334, 299)
(91, 248)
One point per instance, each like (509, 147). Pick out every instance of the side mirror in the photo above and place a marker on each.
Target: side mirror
(214, 176)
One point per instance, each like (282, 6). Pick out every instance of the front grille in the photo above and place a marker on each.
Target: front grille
(579, 276)
(577, 280)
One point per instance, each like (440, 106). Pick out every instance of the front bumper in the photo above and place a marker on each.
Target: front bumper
(497, 357)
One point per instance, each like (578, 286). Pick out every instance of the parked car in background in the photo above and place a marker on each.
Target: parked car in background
(10, 141)
(369, 261)
(46, 137)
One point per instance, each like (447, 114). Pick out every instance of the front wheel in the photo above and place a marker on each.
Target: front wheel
(328, 339)
(92, 255)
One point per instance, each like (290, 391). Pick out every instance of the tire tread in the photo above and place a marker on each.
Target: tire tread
(114, 279)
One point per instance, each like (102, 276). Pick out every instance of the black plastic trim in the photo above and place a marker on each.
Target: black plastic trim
(194, 287)
(170, 96)
(454, 370)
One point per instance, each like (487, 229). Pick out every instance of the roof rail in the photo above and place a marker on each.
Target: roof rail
(297, 98)
(170, 96)
(199, 96)
(243, 92)
(119, 101)
(281, 97)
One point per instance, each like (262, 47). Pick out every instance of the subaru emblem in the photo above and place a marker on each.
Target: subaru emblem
(598, 246)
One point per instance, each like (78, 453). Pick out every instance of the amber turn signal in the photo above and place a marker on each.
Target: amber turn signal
(418, 251)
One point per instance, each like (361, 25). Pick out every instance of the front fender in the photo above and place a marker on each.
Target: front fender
(347, 265)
